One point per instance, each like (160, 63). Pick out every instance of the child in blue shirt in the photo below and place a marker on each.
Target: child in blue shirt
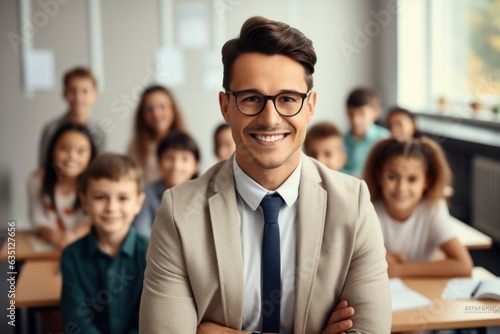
(363, 108)
(103, 272)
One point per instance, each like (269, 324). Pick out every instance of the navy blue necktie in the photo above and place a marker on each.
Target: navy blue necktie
(271, 264)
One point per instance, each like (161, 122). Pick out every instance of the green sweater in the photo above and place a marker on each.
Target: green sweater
(101, 294)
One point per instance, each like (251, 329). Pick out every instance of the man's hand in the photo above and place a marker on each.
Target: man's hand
(338, 323)
(208, 327)
(340, 320)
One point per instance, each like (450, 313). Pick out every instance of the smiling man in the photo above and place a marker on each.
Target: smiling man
(269, 240)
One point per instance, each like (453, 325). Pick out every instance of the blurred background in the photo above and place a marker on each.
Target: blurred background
(423, 55)
(440, 59)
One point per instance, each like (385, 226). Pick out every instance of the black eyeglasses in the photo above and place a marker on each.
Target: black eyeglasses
(251, 102)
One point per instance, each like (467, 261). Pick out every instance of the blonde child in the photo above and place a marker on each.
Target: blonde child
(224, 145)
(80, 95)
(363, 108)
(402, 124)
(103, 272)
(55, 209)
(324, 142)
(157, 114)
(179, 160)
(406, 182)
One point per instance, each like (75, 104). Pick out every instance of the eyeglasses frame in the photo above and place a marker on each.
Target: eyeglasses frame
(266, 98)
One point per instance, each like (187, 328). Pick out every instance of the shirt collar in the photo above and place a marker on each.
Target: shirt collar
(253, 193)
(127, 248)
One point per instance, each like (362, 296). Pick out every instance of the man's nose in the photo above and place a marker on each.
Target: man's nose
(269, 117)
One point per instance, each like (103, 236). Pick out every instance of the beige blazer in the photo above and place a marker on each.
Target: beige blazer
(194, 267)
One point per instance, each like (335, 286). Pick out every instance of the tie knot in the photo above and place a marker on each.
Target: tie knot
(271, 205)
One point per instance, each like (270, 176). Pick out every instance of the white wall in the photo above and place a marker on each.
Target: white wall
(131, 35)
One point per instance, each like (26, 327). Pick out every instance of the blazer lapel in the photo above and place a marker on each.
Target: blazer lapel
(227, 241)
(311, 221)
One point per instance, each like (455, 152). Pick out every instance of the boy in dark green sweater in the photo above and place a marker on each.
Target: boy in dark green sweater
(103, 272)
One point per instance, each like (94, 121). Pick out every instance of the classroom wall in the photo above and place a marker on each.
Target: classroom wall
(131, 35)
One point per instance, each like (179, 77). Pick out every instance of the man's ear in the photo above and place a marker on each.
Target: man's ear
(224, 106)
(311, 105)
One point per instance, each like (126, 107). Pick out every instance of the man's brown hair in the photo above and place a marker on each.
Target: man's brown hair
(269, 37)
(78, 73)
(113, 167)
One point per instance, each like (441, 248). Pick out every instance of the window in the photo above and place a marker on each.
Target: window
(450, 49)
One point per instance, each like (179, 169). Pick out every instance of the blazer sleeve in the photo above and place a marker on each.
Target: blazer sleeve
(367, 283)
(167, 303)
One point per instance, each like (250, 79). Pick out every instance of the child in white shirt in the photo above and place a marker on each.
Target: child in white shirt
(407, 181)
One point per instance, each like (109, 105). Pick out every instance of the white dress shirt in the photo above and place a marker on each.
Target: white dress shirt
(251, 219)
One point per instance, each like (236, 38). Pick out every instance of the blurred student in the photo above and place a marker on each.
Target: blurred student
(102, 273)
(406, 182)
(157, 115)
(54, 206)
(80, 95)
(363, 108)
(324, 143)
(224, 145)
(402, 124)
(179, 159)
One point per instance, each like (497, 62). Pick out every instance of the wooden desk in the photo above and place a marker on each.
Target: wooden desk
(470, 237)
(24, 250)
(445, 314)
(39, 284)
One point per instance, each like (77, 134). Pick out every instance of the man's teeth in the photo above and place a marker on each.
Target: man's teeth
(269, 139)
